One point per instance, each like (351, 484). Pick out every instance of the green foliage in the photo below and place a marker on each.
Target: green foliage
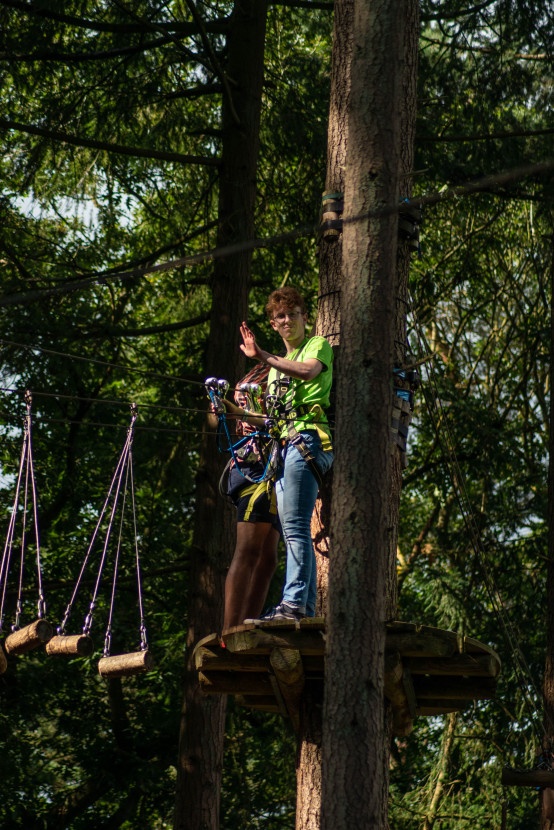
(79, 752)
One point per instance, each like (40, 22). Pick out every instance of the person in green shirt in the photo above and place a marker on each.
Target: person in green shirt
(301, 381)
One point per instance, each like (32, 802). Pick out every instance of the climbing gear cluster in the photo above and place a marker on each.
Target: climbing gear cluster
(403, 407)
(264, 442)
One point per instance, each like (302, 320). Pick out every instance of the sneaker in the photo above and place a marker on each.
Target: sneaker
(281, 613)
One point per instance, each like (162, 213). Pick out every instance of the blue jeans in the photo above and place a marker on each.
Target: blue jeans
(296, 491)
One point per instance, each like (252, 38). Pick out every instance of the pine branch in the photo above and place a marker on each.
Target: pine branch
(461, 12)
(215, 26)
(78, 57)
(119, 149)
(485, 136)
(303, 4)
(114, 331)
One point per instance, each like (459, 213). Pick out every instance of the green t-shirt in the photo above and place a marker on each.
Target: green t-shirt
(313, 392)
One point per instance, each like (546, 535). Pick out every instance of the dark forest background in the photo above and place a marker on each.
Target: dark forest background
(112, 136)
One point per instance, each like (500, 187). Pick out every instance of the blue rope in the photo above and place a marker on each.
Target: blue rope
(222, 427)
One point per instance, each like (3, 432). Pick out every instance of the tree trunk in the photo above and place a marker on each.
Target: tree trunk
(408, 97)
(202, 718)
(354, 751)
(308, 773)
(546, 811)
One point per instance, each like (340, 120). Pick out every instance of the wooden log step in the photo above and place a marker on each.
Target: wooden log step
(232, 683)
(454, 688)
(27, 638)
(3, 660)
(468, 665)
(126, 665)
(527, 777)
(76, 645)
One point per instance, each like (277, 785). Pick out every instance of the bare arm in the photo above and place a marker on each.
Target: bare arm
(303, 370)
(238, 414)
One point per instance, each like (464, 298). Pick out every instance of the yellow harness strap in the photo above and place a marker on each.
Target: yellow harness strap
(255, 491)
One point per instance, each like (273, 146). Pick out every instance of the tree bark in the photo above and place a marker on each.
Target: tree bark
(408, 97)
(308, 774)
(546, 812)
(202, 719)
(354, 751)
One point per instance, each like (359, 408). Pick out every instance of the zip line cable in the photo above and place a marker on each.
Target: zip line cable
(485, 183)
(523, 671)
(145, 372)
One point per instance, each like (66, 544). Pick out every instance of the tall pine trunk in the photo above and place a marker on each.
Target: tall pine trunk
(308, 799)
(202, 719)
(354, 735)
(308, 814)
(545, 796)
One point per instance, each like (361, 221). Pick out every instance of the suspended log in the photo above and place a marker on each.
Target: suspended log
(3, 660)
(527, 777)
(126, 665)
(79, 645)
(27, 638)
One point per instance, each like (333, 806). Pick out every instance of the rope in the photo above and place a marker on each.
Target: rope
(68, 610)
(121, 366)
(485, 183)
(26, 463)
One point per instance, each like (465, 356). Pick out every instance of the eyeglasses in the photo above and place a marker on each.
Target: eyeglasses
(292, 315)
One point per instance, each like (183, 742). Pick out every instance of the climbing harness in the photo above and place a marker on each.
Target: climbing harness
(283, 413)
(119, 665)
(22, 640)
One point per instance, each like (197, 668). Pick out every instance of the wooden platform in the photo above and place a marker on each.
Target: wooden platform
(428, 671)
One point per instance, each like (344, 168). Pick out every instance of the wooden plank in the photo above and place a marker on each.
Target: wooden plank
(432, 707)
(210, 640)
(209, 659)
(289, 674)
(469, 665)
(527, 777)
(420, 644)
(454, 688)
(265, 703)
(472, 646)
(402, 719)
(262, 641)
(231, 683)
